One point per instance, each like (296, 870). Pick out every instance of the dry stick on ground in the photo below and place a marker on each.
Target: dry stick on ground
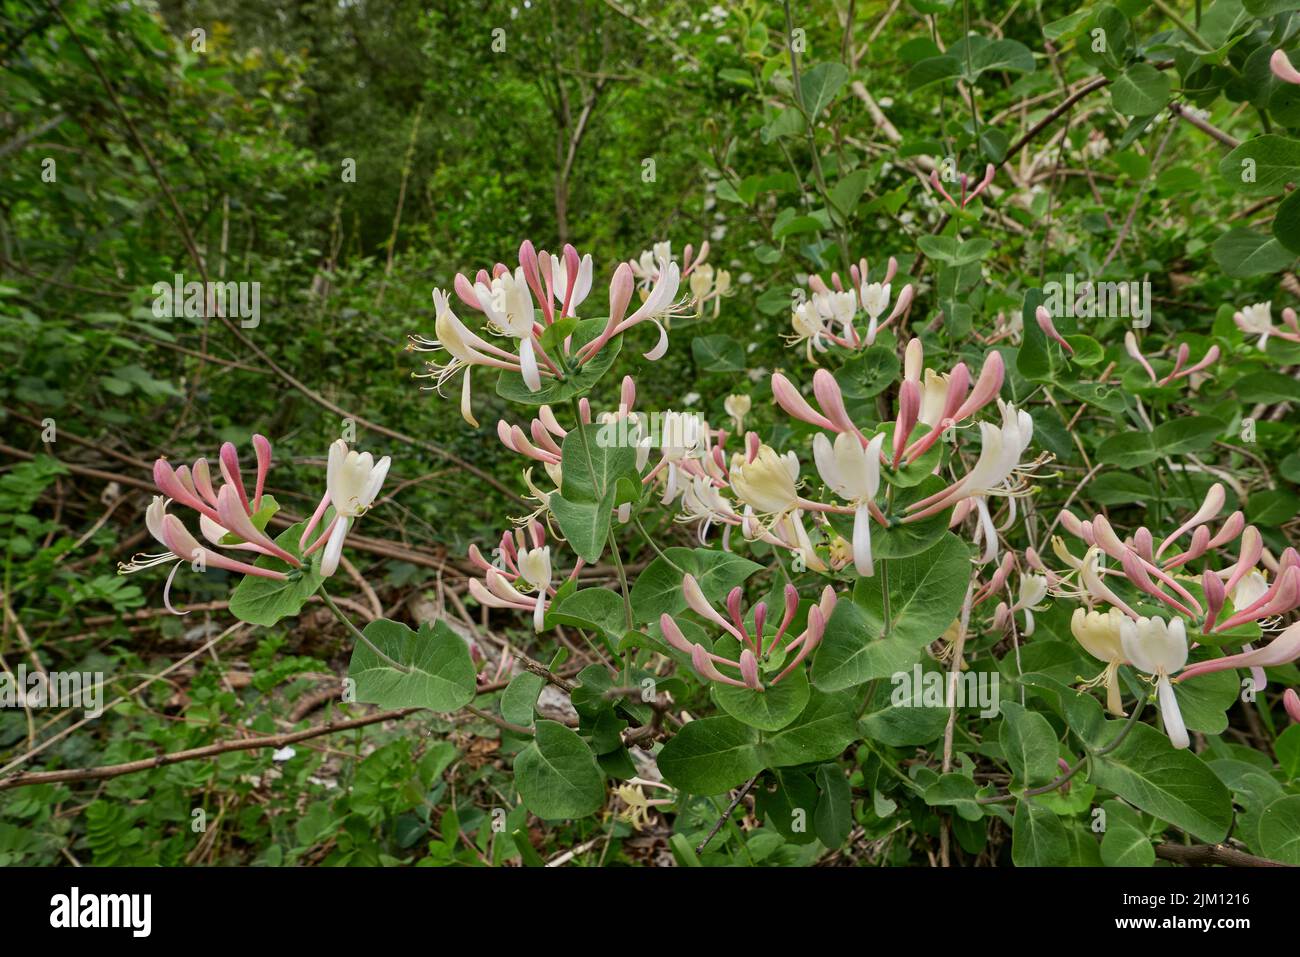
(188, 237)
(48, 742)
(193, 754)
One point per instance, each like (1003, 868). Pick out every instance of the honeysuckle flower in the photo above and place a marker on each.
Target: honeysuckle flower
(522, 565)
(1099, 634)
(786, 532)
(1146, 568)
(756, 649)
(648, 267)
(1282, 650)
(767, 482)
(853, 473)
(738, 406)
(833, 305)
(997, 472)
(1281, 66)
(1032, 591)
(809, 328)
(228, 518)
(639, 806)
(703, 503)
(989, 172)
(1159, 649)
(1291, 702)
(708, 285)
(1181, 370)
(352, 482)
(543, 287)
(1257, 320)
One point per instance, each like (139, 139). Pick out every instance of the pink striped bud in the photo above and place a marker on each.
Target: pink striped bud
(794, 404)
(1049, 328)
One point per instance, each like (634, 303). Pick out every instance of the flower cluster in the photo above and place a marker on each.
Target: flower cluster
(232, 519)
(1257, 320)
(850, 466)
(522, 305)
(756, 650)
(816, 318)
(523, 564)
(1230, 596)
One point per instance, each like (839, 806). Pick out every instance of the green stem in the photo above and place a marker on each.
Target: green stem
(600, 496)
(1182, 24)
(357, 633)
(1074, 768)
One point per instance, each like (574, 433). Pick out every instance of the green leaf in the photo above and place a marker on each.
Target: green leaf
(926, 592)
(1038, 838)
(557, 775)
(1262, 166)
(818, 86)
(1009, 55)
(597, 608)
(711, 755)
(1171, 784)
(1279, 830)
(852, 651)
(1029, 744)
(719, 353)
(264, 601)
(958, 792)
(1174, 437)
(592, 468)
(768, 710)
(824, 729)
(1287, 749)
(1242, 253)
(510, 385)
(833, 819)
(658, 589)
(933, 69)
(1125, 842)
(1286, 224)
(519, 701)
(1140, 90)
(585, 524)
(439, 674)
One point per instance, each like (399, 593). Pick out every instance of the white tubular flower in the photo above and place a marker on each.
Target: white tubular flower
(1033, 589)
(738, 406)
(1160, 650)
(1256, 320)
(768, 482)
(353, 480)
(934, 397)
(703, 502)
(875, 300)
(1099, 634)
(508, 304)
(853, 473)
(535, 569)
(997, 471)
(809, 328)
(1249, 589)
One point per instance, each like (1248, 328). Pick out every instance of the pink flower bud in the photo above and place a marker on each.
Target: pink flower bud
(1049, 328)
(1291, 700)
